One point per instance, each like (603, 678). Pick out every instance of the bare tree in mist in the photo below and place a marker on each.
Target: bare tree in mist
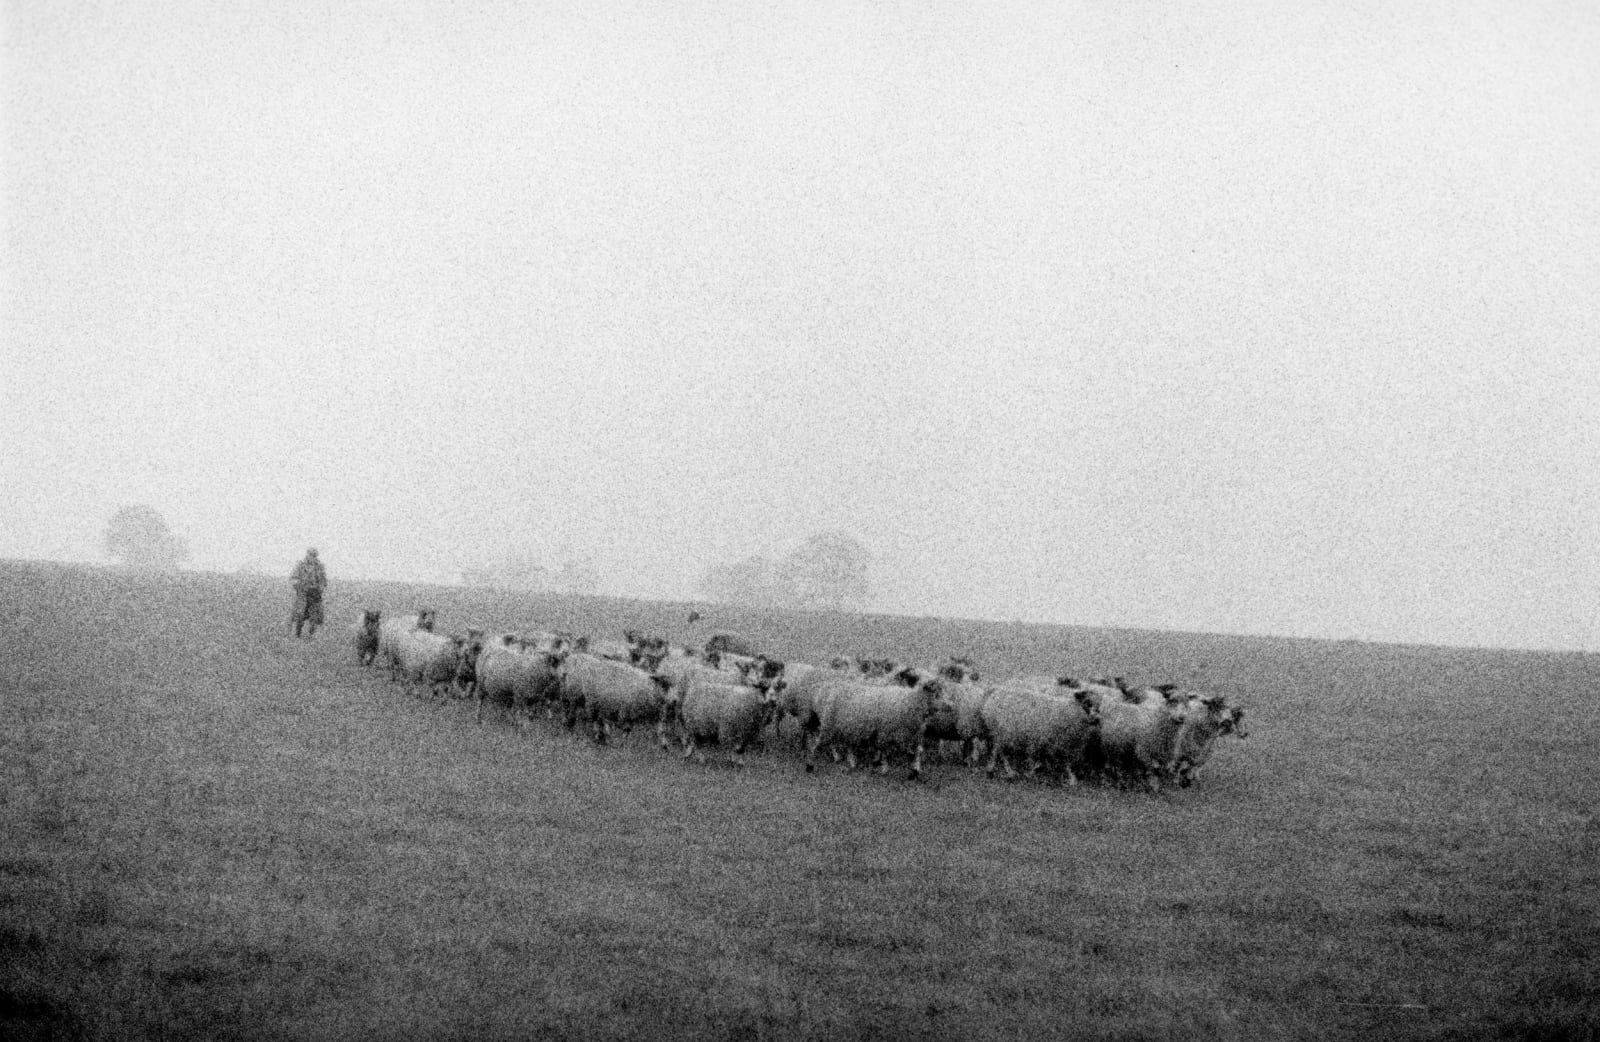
(139, 537)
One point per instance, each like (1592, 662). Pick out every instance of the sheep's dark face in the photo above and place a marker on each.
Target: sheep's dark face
(940, 711)
(765, 672)
(907, 677)
(960, 670)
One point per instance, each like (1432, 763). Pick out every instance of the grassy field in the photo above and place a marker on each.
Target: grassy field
(211, 830)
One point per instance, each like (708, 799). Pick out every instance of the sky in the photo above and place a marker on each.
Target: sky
(1227, 317)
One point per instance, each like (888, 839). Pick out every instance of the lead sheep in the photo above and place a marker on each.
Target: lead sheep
(366, 636)
(1210, 718)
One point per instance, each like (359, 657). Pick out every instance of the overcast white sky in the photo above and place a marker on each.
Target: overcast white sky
(1270, 318)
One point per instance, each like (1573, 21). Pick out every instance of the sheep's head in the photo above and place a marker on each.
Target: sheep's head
(960, 669)
(763, 673)
(906, 676)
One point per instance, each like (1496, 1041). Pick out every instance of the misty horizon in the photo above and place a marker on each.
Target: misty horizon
(1241, 319)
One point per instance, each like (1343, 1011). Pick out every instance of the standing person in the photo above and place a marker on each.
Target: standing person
(310, 580)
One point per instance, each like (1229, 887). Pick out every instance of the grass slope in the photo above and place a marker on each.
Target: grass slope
(213, 830)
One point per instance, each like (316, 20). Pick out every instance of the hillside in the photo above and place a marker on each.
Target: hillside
(214, 830)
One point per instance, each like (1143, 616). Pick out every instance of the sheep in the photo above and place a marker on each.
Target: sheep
(429, 658)
(707, 709)
(515, 676)
(644, 651)
(1042, 724)
(606, 694)
(966, 724)
(1139, 733)
(366, 636)
(731, 643)
(607, 648)
(870, 668)
(1210, 718)
(465, 683)
(677, 665)
(797, 691)
(960, 669)
(391, 629)
(539, 640)
(888, 720)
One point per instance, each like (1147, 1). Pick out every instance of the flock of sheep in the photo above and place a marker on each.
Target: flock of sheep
(728, 695)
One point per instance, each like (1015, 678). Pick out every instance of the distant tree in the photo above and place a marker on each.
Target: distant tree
(139, 537)
(752, 582)
(828, 570)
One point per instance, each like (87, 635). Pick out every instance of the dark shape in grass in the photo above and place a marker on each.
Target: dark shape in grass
(27, 1015)
(13, 939)
(23, 867)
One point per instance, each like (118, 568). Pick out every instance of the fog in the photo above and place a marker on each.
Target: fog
(1265, 318)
